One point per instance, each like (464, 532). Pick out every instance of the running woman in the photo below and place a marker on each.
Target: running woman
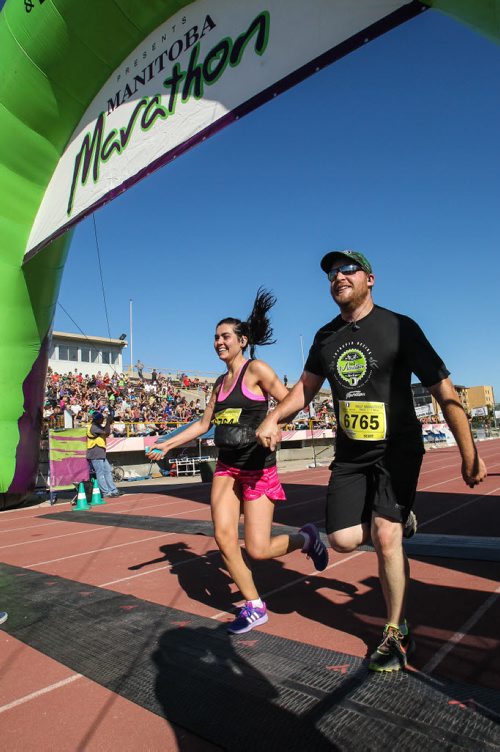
(245, 475)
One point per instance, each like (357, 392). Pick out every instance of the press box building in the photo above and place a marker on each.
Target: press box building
(87, 355)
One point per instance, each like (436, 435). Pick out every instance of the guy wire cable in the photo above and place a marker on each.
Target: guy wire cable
(100, 273)
(82, 332)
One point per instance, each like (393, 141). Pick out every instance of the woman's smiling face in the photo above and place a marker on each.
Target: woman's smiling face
(227, 344)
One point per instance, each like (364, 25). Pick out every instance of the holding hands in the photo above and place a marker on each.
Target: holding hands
(269, 433)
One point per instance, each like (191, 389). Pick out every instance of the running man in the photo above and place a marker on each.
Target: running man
(368, 355)
(245, 476)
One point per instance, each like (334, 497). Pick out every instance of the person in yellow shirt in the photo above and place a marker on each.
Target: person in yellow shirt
(97, 433)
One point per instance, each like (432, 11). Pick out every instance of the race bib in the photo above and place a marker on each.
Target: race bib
(363, 421)
(228, 417)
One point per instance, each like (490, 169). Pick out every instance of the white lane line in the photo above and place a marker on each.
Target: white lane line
(311, 500)
(431, 665)
(39, 693)
(161, 569)
(299, 579)
(454, 452)
(134, 509)
(54, 537)
(441, 483)
(437, 468)
(449, 480)
(26, 529)
(455, 509)
(279, 505)
(133, 576)
(97, 550)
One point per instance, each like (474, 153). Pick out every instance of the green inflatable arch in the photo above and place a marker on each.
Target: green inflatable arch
(95, 95)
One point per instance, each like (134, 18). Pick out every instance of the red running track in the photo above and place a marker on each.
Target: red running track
(454, 604)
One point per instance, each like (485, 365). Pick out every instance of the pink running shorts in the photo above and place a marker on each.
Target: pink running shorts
(254, 483)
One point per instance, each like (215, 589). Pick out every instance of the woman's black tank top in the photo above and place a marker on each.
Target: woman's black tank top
(240, 410)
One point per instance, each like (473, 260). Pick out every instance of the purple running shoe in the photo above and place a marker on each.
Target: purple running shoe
(248, 618)
(315, 549)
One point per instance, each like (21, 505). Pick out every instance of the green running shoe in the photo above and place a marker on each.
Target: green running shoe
(410, 527)
(392, 653)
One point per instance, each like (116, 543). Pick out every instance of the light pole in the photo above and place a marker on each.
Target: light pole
(311, 424)
(131, 340)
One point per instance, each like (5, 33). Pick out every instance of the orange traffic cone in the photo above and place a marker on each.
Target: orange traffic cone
(96, 495)
(81, 499)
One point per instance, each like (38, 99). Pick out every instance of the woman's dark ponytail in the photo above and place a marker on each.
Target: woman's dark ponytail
(260, 331)
(257, 328)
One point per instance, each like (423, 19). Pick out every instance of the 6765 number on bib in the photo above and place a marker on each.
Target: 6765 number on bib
(363, 421)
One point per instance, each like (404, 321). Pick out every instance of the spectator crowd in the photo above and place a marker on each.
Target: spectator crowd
(140, 406)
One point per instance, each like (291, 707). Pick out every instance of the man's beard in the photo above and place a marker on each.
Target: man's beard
(356, 300)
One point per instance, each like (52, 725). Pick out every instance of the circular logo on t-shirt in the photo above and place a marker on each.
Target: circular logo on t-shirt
(351, 365)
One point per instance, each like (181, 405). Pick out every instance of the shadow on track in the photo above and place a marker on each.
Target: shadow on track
(204, 579)
(205, 684)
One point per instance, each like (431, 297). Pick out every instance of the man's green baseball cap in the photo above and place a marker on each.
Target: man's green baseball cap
(354, 256)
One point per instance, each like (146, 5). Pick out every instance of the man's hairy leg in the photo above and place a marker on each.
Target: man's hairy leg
(394, 570)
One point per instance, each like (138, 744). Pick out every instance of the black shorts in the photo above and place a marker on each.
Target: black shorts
(386, 486)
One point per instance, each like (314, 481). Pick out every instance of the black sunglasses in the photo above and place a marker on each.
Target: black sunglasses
(346, 269)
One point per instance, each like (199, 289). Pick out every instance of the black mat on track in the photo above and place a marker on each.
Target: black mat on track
(156, 524)
(479, 548)
(246, 692)
(440, 546)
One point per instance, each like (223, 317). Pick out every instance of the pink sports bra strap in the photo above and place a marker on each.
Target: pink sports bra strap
(222, 394)
(251, 395)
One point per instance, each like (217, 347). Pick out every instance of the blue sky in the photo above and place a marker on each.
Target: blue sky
(392, 151)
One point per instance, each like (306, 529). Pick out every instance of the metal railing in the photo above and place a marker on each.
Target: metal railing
(174, 375)
(145, 428)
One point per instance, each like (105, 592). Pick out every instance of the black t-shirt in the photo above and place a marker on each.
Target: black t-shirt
(369, 367)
